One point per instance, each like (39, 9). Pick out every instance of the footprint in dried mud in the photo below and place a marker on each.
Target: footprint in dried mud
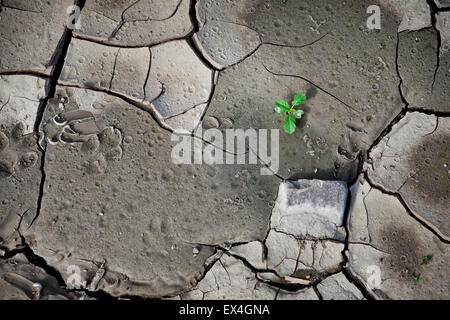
(16, 149)
(66, 123)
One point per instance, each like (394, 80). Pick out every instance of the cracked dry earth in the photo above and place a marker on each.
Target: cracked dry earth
(86, 178)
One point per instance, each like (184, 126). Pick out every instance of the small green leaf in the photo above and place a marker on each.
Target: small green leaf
(283, 105)
(289, 124)
(299, 113)
(426, 259)
(415, 277)
(278, 111)
(299, 99)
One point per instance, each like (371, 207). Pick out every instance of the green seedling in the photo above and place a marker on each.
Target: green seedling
(415, 277)
(426, 259)
(283, 108)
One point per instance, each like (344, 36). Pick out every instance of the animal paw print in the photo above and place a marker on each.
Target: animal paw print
(102, 144)
(16, 149)
(103, 147)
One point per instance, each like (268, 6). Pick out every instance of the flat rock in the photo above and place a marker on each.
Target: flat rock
(230, 279)
(343, 114)
(425, 75)
(412, 160)
(135, 23)
(337, 287)
(392, 254)
(20, 280)
(30, 33)
(102, 183)
(310, 208)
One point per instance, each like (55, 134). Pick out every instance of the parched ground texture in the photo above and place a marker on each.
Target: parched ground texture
(92, 205)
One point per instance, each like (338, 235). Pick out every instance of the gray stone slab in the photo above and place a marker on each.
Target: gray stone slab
(310, 208)
(413, 160)
(392, 254)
